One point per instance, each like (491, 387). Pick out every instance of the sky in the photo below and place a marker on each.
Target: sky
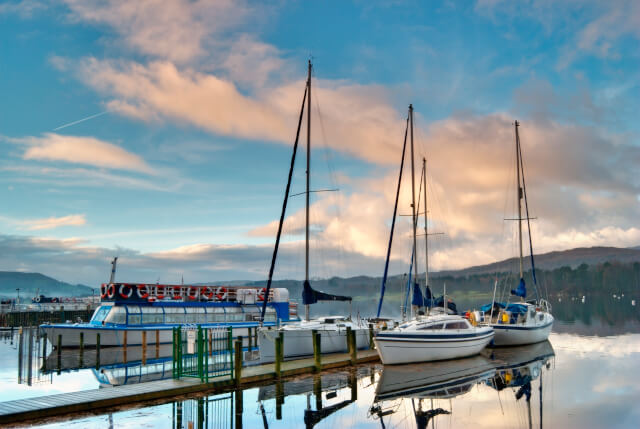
(161, 132)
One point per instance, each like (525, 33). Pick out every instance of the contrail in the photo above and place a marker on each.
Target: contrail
(81, 120)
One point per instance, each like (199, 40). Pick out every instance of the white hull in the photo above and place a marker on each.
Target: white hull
(410, 347)
(298, 342)
(115, 337)
(515, 335)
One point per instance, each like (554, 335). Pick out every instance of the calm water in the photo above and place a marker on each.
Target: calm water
(586, 376)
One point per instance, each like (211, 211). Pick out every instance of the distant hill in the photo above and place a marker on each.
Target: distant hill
(32, 283)
(564, 258)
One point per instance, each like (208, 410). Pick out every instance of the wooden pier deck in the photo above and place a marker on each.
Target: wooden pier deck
(24, 410)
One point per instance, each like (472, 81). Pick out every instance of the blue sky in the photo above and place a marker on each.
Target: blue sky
(182, 171)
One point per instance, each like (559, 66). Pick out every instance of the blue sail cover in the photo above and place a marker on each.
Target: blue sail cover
(439, 302)
(311, 296)
(417, 296)
(513, 307)
(521, 291)
(428, 298)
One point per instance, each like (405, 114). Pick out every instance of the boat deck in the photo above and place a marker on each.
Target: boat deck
(67, 404)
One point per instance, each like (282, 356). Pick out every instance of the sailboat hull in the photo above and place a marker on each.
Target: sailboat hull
(398, 348)
(510, 335)
(298, 341)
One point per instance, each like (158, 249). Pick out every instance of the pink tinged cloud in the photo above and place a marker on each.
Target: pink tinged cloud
(54, 222)
(82, 150)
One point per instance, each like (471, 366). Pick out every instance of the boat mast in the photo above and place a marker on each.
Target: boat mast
(413, 195)
(113, 270)
(306, 245)
(519, 194)
(426, 234)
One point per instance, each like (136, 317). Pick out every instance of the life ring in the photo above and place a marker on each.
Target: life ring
(67, 299)
(141, 294)
(160, 291)
(54, 299)
(111, 291)
(191, 295)
(221, 293)
(261, 294)
(472, 319)
(37, 299)
(103, 290)
(125, 295)
(208, 292)
(177, 293)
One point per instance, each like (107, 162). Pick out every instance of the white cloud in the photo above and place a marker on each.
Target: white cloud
(55, 222)
(81, 150)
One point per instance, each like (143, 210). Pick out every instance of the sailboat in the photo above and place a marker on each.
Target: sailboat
(297, 336)
(434, 336)
(525, 322)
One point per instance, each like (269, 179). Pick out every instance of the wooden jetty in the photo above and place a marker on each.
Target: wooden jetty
(67, 404)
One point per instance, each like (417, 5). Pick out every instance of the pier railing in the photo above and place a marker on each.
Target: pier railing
(202, 353)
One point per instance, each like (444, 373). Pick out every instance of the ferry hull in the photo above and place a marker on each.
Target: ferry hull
(507, 335)
(298, 342)
(115, 337)
(411, 348)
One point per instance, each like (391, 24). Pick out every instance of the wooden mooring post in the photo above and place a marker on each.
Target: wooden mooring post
(317, 350)
(144, 347)
(97, 351)
(59, 353)
(372, 345)
(279, 348)
(237, 366)
(353, 345)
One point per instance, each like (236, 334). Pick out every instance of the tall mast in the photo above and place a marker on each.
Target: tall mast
(306, 245)
(519, 194)
(426, 232)
(413, 194)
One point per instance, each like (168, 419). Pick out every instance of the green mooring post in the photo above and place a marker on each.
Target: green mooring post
(238, 362)
(230, 348)
(59, 353)
(316, 350)
(97, 351)
(200, 356)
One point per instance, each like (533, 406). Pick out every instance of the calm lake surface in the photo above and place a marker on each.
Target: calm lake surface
(586, 376)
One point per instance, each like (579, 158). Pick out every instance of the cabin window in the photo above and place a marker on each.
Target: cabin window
(174, 315)
(252, 314)
(152, 315)
(117, 315)
(456, 325)
(437, 326)
(270, 315)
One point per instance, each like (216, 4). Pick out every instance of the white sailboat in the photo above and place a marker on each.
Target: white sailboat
(297, 336)
(526, 322)
(436, 336)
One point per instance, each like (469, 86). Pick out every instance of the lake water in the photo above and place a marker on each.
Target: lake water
(586, 376)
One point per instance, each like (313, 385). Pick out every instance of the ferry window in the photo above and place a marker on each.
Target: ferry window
(101, 313)
(234, 314)
(133, 315)
(174, 315)
(252, 313)
(456, 325)
(152, 315)
(195, 315)
(270, 315)
(215, 314)
(436, 326)
(117, 315)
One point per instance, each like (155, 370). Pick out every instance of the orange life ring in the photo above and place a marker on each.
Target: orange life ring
(125, 295)
(142, 295)
(160, 292)
(103, 290)
(193, 289)
(111, 291)
(177, 292)
(221, 293)
(208, 292)
(261, 294)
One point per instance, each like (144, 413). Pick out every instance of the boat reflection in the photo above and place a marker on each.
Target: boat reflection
(425, 385)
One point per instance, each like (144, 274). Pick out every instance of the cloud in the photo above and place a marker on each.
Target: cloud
(55, 222)
(23, 8)
(177, 30)
(363, 124)
(81, 150)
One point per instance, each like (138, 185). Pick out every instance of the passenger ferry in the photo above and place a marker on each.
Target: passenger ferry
(131, 314)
